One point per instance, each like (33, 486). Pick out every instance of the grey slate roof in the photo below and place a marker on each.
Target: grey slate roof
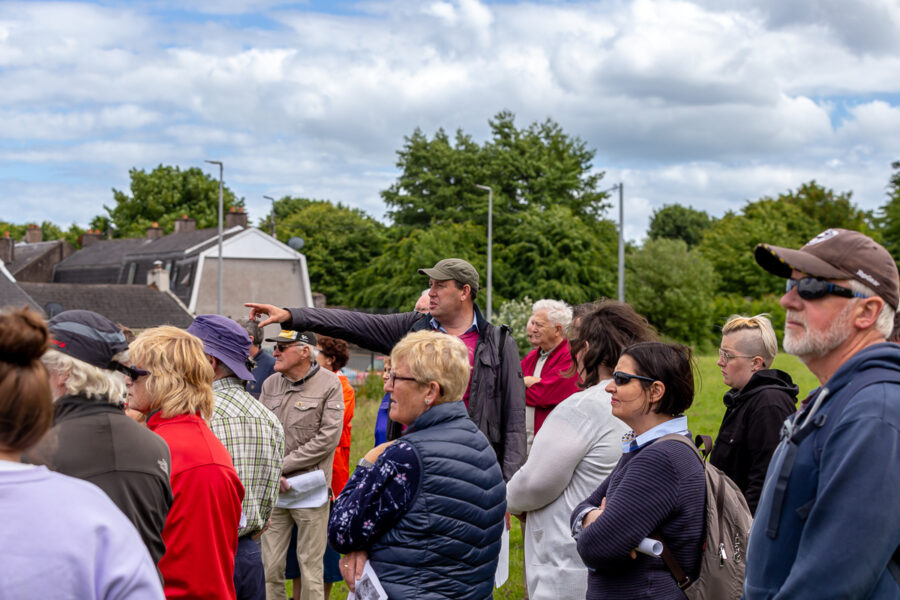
(177, 242)
(26, 253)
(12, 296)
(102, 252)
(134, 306)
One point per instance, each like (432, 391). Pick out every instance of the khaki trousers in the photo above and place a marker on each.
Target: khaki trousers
(312, 536)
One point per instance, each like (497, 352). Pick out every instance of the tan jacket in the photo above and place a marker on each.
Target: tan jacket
(311, 410)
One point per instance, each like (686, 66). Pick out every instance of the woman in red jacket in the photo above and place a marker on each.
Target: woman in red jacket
(173, 387)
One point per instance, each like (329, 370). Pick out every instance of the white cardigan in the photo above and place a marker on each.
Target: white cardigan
(574, 451)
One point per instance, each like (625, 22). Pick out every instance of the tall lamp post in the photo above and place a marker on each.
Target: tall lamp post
(620, 186)
(490, 246)
(221, 233)
(272, 219)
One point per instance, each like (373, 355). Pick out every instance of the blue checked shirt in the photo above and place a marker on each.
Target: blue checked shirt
(254, 437)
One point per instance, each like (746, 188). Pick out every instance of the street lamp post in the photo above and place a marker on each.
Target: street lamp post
(490, 246)
(272, 218)
(221, 233)
(621, 187)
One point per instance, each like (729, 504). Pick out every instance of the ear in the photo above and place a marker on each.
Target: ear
(433, 393)
(466, 291)
(657, 391)
(868, 310)
(757, 363)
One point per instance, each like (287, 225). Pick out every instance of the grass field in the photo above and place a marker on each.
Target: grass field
(703, 417)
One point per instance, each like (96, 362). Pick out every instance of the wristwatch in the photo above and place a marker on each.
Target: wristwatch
(364, 463)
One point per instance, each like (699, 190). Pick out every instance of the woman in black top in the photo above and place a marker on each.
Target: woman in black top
(759, 401)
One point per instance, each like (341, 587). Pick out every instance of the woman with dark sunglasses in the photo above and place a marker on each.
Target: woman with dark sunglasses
(656, 490)
(573, 452)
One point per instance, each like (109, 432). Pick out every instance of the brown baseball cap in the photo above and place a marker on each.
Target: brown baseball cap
(837, 254)
(453, 268)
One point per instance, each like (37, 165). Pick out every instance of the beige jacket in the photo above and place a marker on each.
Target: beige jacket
(311, 410)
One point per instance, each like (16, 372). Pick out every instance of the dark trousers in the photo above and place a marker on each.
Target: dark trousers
(249, 577)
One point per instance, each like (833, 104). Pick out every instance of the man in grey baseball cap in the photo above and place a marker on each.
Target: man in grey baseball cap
(496, 394)
(827, 523)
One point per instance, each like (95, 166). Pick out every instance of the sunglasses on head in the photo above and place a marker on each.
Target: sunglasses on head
(813, 288)
(622, 378)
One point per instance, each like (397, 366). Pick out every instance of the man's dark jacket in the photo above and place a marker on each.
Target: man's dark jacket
(751, 429)
(496, 393)
(97, 442)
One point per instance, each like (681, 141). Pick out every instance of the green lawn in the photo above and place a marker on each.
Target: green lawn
(703, 417)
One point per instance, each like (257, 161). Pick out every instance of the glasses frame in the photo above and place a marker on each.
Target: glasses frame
(393, 378)
(281, 347)
(814, 288)
(134, 373)
(726, 358)
(620, 375)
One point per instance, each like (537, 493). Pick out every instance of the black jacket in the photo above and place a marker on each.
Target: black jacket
(96, 441)
(497, 390)
(751, 429)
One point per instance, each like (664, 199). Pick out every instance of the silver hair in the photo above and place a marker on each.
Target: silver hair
(885, 323)
(83, 379)
(558, 312)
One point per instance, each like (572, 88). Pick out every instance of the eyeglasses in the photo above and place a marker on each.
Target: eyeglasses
(622, 378)
(134, 373)
(394, 378)
(813, 288)
(725, 357)
(283, 347)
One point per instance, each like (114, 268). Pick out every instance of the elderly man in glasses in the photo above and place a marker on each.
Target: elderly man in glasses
(827, 524)
(309, 402)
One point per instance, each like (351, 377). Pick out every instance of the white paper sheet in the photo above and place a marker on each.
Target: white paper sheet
(367, 586)
(650, 547)
(502, 573)
(308, 490)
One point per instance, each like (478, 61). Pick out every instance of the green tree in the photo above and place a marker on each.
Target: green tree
(337, 241)
(49, 232)
(829, 209)
(391, 281)
(889, 214)
(677, 222)
(162, 196)
(537, 166)
(673, 288)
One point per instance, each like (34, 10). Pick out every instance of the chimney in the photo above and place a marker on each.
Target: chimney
(184, 224)
(235, 216)
(158, 277)
(154, 232)
(89, 237)
(7, 248)
(33, 234)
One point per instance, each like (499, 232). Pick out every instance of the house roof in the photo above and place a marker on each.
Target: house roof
(26, 253)
(11, 295)
(134, 306)
(102, 253)
(181, 242)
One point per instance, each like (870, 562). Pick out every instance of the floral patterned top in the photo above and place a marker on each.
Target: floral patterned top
(374, 499)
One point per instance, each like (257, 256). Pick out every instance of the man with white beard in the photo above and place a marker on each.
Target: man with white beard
(828, 523)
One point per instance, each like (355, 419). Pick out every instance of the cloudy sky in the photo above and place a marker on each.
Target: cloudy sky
(707, 103)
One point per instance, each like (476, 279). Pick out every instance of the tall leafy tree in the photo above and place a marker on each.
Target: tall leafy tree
(673, 288)
(338, 240)
(162, 196)
(677, 222)
(889, 214)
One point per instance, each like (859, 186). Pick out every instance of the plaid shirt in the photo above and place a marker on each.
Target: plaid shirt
(255, 439)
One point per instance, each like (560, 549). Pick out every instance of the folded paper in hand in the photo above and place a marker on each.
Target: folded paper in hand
(308, 490)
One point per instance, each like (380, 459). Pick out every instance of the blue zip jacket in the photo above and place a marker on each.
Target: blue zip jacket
(828, 520)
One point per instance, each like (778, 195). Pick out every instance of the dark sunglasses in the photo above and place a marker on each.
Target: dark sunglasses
(813, 288)
(131, 371)
(622, 378)
(283, 347)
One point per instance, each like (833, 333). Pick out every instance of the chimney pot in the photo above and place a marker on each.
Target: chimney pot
(185, 224)
(154, 232)
(33, 234)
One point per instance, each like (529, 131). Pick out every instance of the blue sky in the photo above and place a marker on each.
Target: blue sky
(708, 103)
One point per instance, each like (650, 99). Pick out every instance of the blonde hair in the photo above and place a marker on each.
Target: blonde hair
(83, 379)
(438, 357)
(763, 344)
(180, 380)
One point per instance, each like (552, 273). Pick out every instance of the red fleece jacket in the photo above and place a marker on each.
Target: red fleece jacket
(553, 387)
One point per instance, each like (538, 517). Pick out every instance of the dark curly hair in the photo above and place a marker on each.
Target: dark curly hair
(335, 349)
